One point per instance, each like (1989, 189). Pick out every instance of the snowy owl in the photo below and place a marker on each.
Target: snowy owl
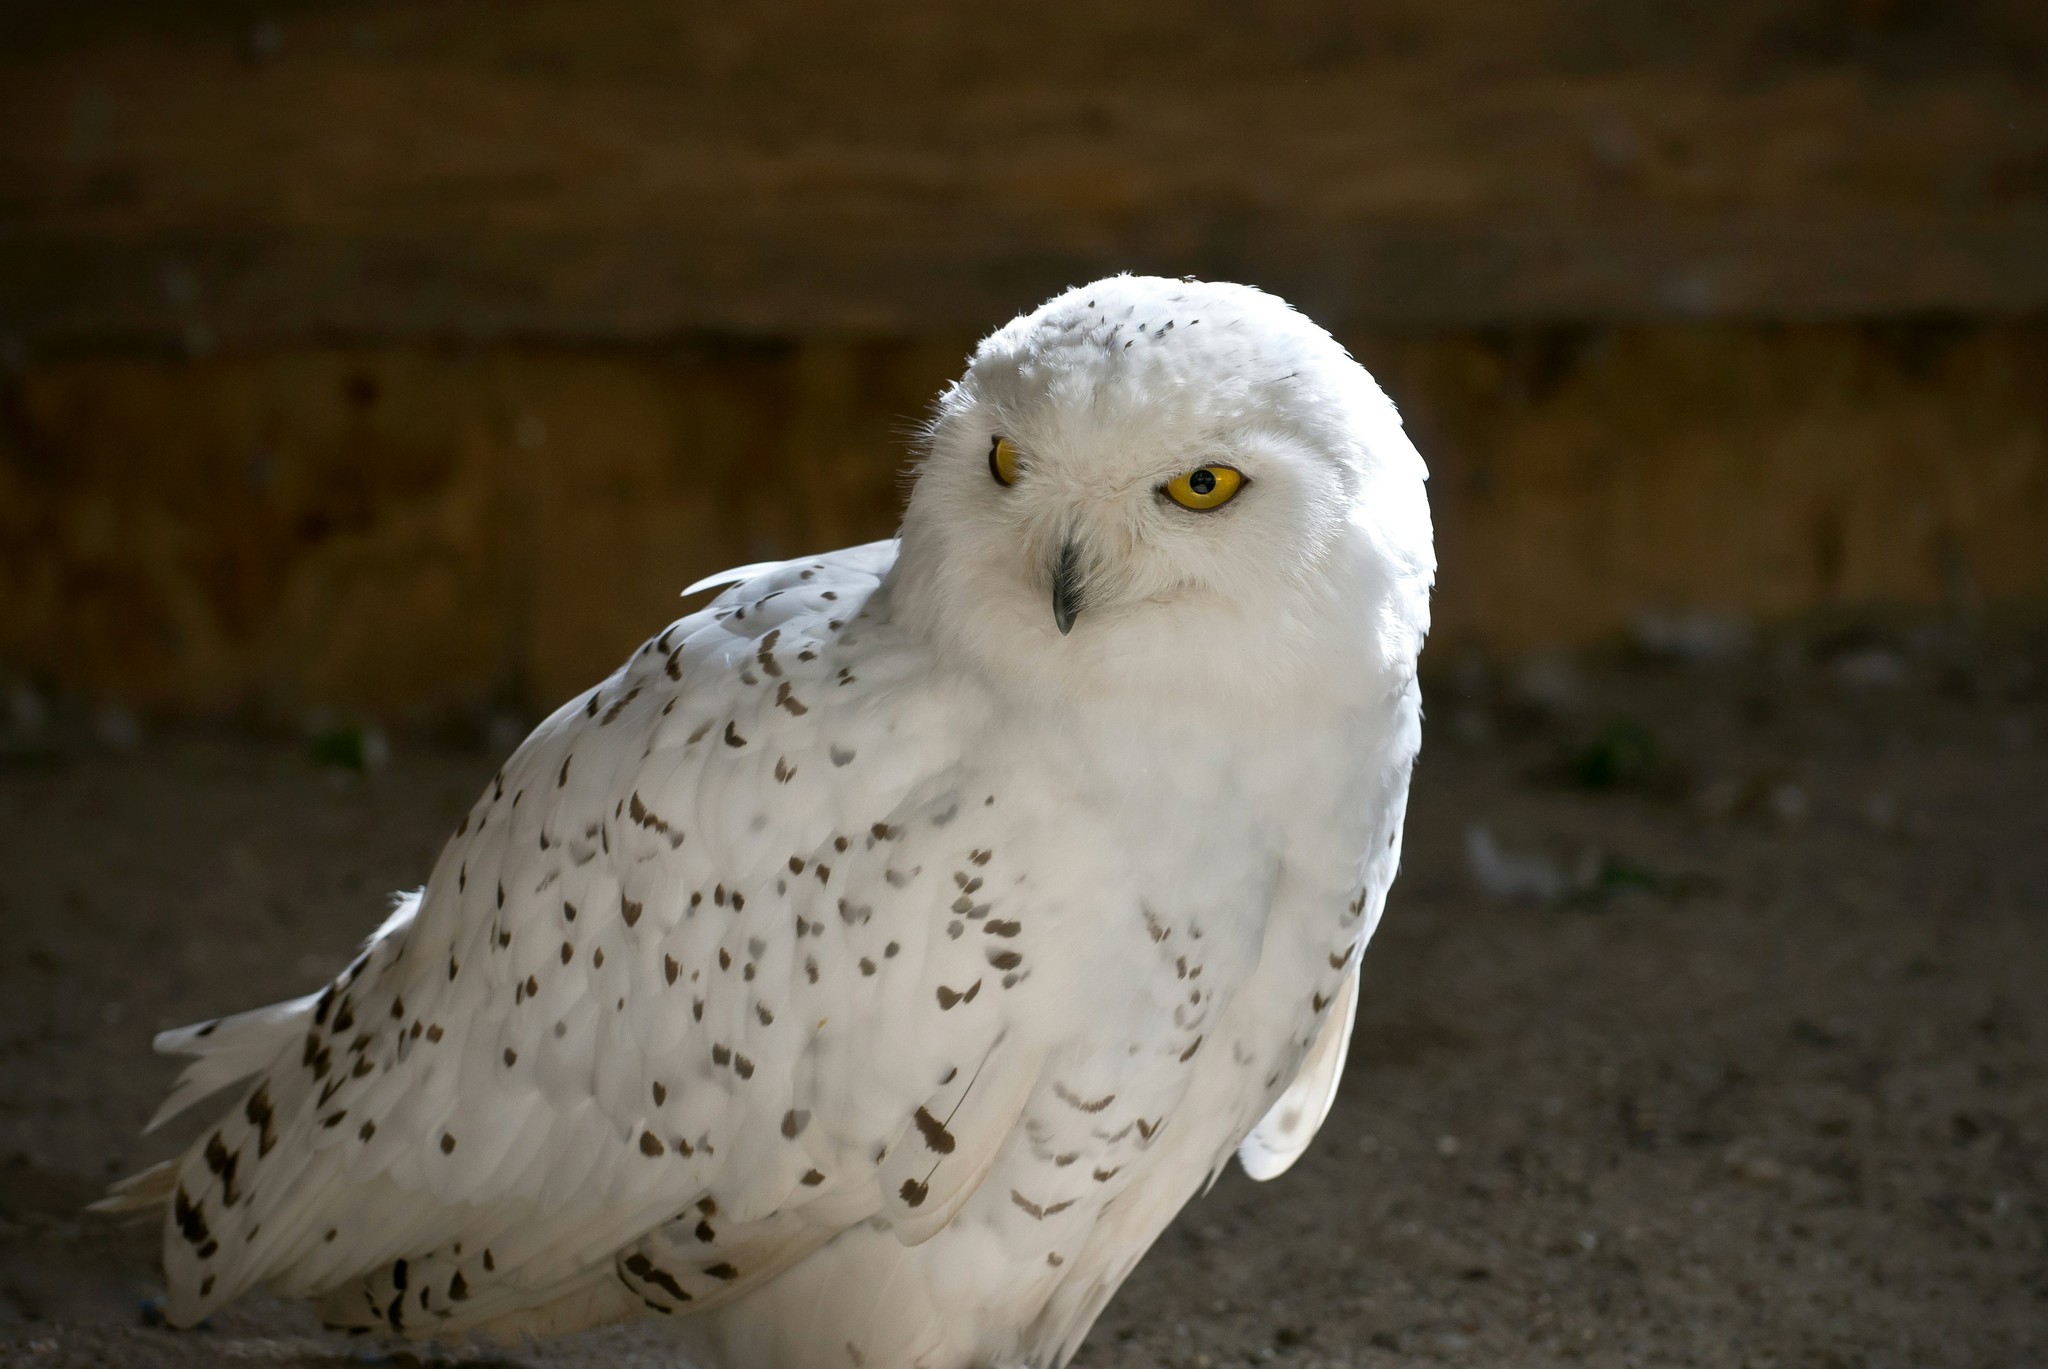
(868, 970)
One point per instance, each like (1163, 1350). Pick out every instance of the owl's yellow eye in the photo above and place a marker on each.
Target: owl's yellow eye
(1205, 487)
(1002, 460)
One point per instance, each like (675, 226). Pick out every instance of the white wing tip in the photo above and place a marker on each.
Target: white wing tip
(226, 1050)
(1261, 1162)
(139, 1192)
(182, 1096)
(730, 577)
(184, 1040)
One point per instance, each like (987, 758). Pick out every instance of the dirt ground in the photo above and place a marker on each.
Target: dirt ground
(1754, 1071)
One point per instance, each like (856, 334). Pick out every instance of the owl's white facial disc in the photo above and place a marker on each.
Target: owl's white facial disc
(1083, 569)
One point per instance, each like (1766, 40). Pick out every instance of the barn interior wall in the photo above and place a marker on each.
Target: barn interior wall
(407, 528)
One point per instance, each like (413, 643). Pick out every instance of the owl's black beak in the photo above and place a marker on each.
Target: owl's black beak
(1066, 587)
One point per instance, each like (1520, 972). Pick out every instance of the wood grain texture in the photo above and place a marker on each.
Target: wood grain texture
(621, 169)
(413, 529)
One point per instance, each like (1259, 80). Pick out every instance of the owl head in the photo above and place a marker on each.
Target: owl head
(1166, 485)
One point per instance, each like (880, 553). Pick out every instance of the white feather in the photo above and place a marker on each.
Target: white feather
(869, 969)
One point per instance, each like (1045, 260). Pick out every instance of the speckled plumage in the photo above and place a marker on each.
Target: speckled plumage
(867, 971)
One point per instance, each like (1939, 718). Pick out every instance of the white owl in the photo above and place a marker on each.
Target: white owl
(867, 971)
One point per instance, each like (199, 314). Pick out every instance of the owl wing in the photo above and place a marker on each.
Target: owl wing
(1281, 1136)
(690, 990)
(1292, 1122)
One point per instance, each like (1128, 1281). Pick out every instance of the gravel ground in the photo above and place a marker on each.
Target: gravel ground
(1752, 1073)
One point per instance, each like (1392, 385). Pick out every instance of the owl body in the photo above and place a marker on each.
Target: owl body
(868, 970)
(1166, 1021)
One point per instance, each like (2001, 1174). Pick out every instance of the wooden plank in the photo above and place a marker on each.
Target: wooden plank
(412, 529)
(629, 169)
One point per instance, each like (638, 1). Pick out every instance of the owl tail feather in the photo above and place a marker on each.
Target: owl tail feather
(228, 1050)
(225, 1051)
(144, 1192)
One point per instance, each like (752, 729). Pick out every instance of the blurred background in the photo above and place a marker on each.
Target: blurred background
(401, 357)
(373, 376)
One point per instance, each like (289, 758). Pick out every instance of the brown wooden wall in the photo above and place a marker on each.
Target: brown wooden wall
(405, 528)
(398, 356)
